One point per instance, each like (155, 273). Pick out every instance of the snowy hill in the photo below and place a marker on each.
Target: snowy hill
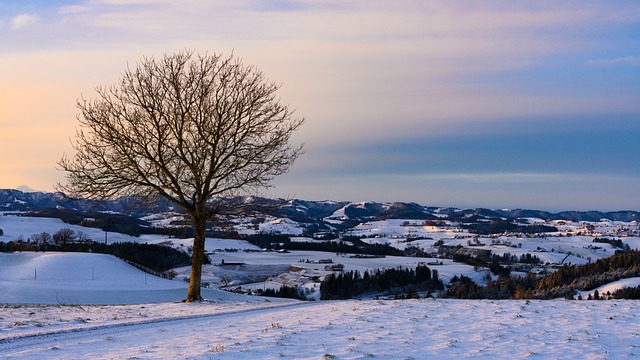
(270, 250)
(81, 278)
(433, 240)
(232, 326)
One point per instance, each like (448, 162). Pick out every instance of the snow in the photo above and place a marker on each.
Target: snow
(269, 225)
(69, 305)
(574, 237)
(616, 285)
(407, 329)
(281, 226)
(310, 261)
(24, 226)
(613, 287)
(81, 278)
(338, 216)
(265, 268)
(232, 326)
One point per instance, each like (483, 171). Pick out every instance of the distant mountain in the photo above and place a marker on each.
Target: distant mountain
(626, 216)
(301, 211)
(16, 200)
(25, 188)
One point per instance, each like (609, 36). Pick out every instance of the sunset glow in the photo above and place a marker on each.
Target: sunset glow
(492, 104)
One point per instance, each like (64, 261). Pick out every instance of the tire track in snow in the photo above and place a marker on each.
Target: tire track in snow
(21, 342)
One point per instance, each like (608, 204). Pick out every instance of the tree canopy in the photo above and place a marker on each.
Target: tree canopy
(191, 128)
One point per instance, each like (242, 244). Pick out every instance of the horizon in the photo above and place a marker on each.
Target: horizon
(496, 105)
(27, 189)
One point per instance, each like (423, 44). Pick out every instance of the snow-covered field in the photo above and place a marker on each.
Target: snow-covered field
(70, 305)
(15, 227)
(408, 329)
(80, 278)
(572, 243)
(230, 326)
(258, 263)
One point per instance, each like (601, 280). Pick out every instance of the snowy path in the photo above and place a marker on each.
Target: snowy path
(409, 329)
(83, 335)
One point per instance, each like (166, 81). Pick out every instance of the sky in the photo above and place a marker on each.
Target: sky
(497, 104)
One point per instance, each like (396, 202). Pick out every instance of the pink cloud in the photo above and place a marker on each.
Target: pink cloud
(23, 20)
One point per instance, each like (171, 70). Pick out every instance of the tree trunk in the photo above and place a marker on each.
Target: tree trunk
(195, 279)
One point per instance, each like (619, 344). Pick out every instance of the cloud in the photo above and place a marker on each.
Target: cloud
(73, 9)
(23, 20)
(433, 85)
(518, 177)
(619, 61)
(547, 191)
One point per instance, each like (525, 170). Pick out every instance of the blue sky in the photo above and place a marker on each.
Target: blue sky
(498, 104)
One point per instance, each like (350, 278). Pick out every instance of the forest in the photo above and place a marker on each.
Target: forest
(348, 245)
(395, 281)
(563, 283)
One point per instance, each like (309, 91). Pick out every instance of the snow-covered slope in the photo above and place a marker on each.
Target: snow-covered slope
(81, 278)
(15, 227)
(571, 244)
(407, 329)
(231, 326)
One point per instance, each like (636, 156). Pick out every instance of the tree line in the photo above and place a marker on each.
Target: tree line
(348, 245)
(347, 285)
(285, 291)
(155, 257)
(564, 282)
(613, 242)
(501, 226)
(45, 241)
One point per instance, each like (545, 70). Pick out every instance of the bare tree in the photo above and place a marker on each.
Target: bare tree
(82, 237)
(40, 240)
(63, 237)
(20, 240)
(191, 128)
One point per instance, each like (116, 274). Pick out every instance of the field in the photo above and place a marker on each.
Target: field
(228, 327)
(65, 305)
